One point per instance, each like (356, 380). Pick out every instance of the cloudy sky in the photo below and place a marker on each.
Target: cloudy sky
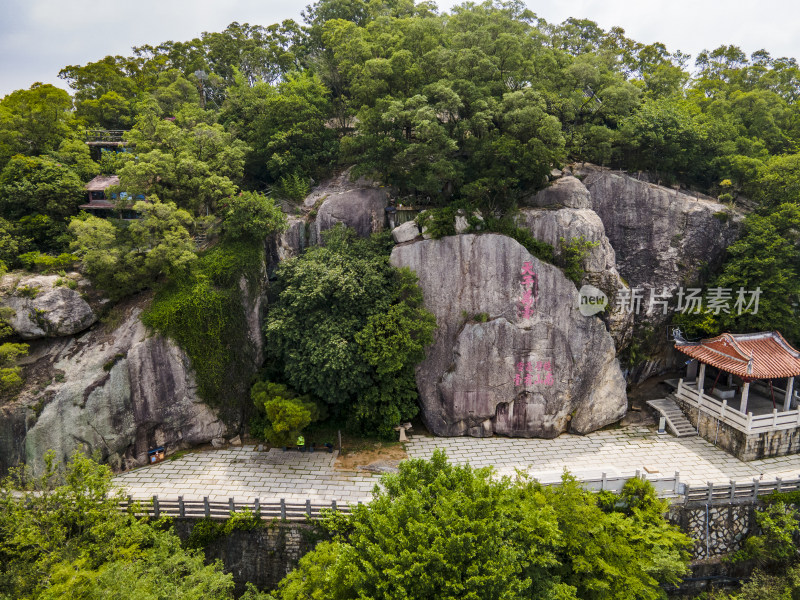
(39, 37)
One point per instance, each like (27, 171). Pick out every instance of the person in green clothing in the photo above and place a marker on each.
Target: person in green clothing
(301, 443)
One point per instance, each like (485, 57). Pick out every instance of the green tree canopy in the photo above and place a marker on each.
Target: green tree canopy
(251, 216)
(348, 329)
(436, 530)
(39, 185)
(121, 260)
(62, 535)
(34, 121)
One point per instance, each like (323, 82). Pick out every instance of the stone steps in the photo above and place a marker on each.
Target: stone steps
(677, 423)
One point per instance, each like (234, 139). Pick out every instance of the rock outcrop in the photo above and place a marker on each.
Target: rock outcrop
(552, 222)
(44, 309)
(661, 236)
(495, 367)
(406, 232)
(565, 192)
(363, 209)
(114, 390)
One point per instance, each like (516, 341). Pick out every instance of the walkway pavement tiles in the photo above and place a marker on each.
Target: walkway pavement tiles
(248, 474)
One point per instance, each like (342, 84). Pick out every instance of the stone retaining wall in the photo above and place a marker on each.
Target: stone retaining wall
(716, 530)
(743, 446)
(261, 556)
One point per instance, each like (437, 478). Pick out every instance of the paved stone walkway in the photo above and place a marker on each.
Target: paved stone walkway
(246, 474)
(616, 452)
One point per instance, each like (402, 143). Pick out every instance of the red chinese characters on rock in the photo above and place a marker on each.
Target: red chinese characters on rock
(530, 296)
(543, 375)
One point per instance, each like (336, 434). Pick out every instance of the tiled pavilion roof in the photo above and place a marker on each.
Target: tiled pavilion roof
(764, 355)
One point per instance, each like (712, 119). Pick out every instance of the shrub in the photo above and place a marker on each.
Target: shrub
(573, 254)
(251, 216)
(294, 187)
(44, 263)
(282, 413)
(207, 530)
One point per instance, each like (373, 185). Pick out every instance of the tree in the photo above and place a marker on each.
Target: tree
(62, 535)
(9, 243)
(779, 182)
(437, 530)
(189, 162)
(766, 258)
(290, 134)
(282, 413)
(39, 185)
(359, 307)
(34, 121)
(123, 260)
(251, 216)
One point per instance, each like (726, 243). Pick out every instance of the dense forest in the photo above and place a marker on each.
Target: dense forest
(467, 109)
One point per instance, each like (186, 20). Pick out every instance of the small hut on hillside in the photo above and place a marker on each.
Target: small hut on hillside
(103, 204)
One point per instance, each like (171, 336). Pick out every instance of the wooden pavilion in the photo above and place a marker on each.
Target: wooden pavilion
(754, 406)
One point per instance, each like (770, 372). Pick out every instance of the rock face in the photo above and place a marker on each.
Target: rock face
(495, 368)
(661, 236)
(551, 225)
(43, 309)
(363, 209)
(405, 233)
(118, 391)
(566, 192)
(287, 244)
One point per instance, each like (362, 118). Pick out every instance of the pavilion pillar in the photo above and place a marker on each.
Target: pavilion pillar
(787, 402)
(745, 393)
(701, 378)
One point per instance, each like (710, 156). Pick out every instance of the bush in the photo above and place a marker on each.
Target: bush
(572, 256)
(282, 413)
(294, 187)
(508, 227)
(206, 531)
(251, 216)
(44, 263)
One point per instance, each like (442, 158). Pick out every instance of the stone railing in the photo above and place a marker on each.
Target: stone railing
(748, 423)
(206, 509)
(733, 492)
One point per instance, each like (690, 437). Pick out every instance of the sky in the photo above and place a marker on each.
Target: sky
(39, 37)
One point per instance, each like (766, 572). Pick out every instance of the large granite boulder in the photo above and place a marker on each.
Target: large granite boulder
(363, 209)
(44, 305)
(551, 224)
(566, 192)
(510, 356)
(116, 390)
(661, 236)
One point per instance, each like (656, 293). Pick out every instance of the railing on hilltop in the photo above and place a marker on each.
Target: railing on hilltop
(105, 136)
